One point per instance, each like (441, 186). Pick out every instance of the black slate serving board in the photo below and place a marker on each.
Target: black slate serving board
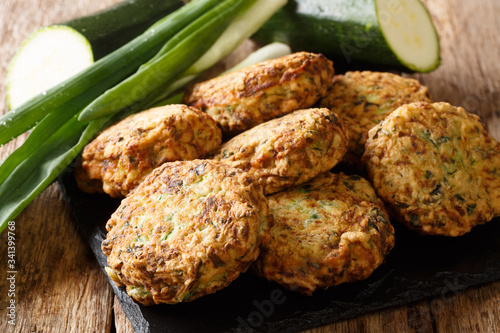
(418, 267)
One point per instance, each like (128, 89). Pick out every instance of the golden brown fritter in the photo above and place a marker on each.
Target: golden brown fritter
(121, 156)
(289, 150)
(188, 230)
(491, 172)
(436, 167)
(331, 230)
(363, 99)
(253, 95)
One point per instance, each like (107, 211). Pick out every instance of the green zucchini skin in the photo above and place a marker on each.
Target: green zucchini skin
(113, 27)
(346, 31)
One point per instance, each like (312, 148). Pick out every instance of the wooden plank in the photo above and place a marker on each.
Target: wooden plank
(412, 318)
(469, 75)
(58, 285)
(122, 324)
(473, 310)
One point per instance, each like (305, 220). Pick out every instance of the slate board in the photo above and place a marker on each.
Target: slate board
(418, 267)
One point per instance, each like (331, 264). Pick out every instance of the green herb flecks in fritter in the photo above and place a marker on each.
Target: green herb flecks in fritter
(331, 230)
(363, 99)
(434, 165)
(255, 94)
(188, 230)
(290, 150)
(124, 154)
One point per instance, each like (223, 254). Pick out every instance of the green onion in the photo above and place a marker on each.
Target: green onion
(268, 52)
(59, 137)
(35, 173)
(45, 162)
(244, 26)
(240, 29)
(76, 92)
(175, 57)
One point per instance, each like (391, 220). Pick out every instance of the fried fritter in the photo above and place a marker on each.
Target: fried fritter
(289, 150)
(331, 230)
(363, 99)
(122, 155)
(258, 93)
(188, 230)
(436, 167)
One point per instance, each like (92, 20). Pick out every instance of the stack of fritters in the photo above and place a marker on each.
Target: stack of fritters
(189, 228)
(123, 155)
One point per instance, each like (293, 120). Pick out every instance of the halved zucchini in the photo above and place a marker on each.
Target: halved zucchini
(49, 56)
(394, 33)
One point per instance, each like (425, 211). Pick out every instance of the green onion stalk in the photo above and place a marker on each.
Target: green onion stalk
(65, 118)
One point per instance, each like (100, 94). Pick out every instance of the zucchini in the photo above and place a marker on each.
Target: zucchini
(115, 26)
(49, 56)
(53, 54)
(176, 56)
(59, 137)
(397, 34)
(71, 95)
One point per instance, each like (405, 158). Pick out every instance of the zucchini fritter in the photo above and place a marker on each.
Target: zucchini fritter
(436, 167)
(331, 230)
(289, 150)
(363, 99)
(258, 93)
(122, 155)
(188, 230)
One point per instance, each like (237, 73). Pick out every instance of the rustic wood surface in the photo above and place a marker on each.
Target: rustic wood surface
(59, 286)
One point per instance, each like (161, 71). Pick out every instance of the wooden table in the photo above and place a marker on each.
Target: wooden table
(59, 286)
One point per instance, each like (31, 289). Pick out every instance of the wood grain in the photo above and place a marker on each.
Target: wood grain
(469, 75)
(122, 324)
(59, 286)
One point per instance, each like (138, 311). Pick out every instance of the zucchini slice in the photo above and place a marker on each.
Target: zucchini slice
(395, 34)
(410, 33)
(49, 56)
(54, 53)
